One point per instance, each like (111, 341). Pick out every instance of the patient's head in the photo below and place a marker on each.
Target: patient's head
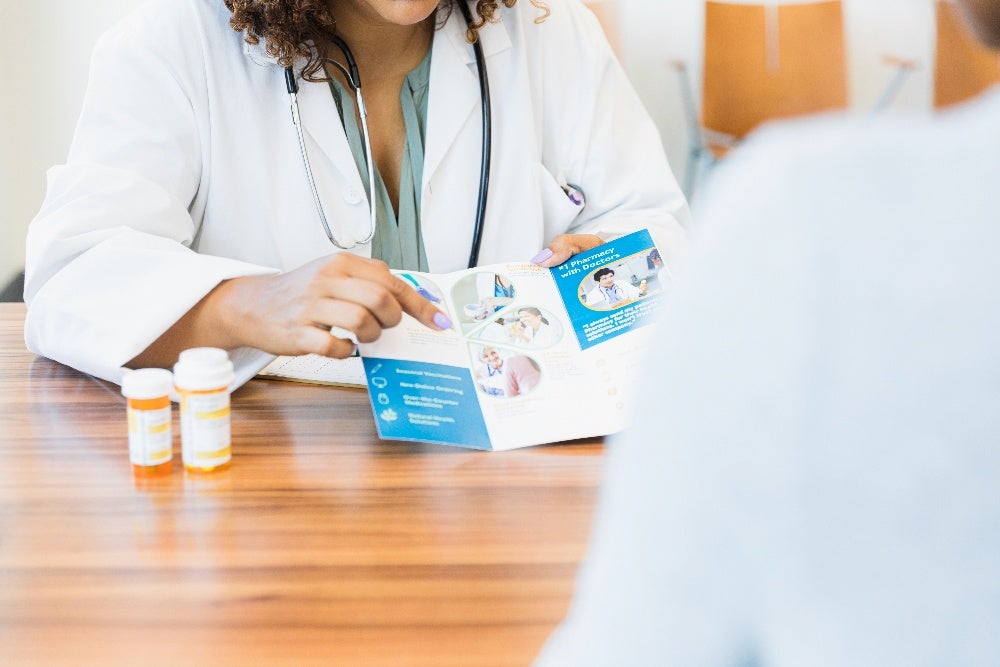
(984, 18)
(491, 356)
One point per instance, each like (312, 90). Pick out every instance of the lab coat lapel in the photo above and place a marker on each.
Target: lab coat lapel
(454, 89)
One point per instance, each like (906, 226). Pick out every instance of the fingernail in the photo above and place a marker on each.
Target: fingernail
(542, 256)
(442, 321)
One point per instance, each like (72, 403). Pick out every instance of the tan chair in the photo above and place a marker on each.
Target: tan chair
(963, 68)
(763, 62)
(766, 62)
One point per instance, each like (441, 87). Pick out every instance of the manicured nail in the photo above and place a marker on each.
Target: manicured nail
(542, 256)
(442, 321)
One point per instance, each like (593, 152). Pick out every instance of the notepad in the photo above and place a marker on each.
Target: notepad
(315, 369)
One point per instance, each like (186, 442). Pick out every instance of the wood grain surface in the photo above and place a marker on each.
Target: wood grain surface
(321, 545)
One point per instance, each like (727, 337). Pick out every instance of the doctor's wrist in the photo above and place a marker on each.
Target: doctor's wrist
(204, 325)
(232, 311)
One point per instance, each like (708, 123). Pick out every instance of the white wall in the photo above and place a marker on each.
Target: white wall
(52, 40)
(48, 45)
(13, 118)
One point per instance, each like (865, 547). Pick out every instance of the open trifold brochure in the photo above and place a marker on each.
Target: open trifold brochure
(536, 355)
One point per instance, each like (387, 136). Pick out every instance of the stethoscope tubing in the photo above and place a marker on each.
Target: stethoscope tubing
(484, 167)
(354, 80)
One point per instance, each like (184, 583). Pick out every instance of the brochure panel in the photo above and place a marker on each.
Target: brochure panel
(415, 400)
(535, 355)
(612, 289)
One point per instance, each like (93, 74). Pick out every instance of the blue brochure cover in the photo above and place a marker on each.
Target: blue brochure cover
(427, 402)
(536, 355)
(612, 289)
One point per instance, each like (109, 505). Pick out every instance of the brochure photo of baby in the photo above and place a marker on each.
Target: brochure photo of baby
(526, 327)
(479, 295)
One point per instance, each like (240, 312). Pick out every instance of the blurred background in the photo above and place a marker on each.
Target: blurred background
(707, 71)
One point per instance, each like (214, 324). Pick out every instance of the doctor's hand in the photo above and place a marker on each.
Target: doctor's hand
(292, 313)
(565, 246)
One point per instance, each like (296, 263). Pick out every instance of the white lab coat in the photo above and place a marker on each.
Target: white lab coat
(185, 170)
(546, 336)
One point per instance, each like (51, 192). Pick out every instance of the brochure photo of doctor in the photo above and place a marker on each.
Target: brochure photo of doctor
(622, 281)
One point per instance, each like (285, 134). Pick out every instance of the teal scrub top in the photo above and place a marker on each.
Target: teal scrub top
(398, 241)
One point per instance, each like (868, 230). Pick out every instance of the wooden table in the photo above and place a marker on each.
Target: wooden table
(320, 546)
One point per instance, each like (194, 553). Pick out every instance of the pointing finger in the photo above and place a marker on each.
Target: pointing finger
(420, 308)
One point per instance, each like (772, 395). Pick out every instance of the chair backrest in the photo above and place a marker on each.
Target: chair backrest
(769, 60)
(963, 67)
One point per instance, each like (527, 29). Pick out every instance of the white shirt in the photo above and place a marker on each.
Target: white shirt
(814, 480)
(492, 380)
(185, 170)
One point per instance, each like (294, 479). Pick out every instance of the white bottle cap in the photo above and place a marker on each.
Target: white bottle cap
(203, 369)
(147, 383)
(203, 355)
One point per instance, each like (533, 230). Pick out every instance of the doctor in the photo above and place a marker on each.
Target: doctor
(610, 293)
(184, 215)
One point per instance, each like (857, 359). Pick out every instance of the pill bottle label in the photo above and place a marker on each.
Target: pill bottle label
(149, 441)
(205, 430)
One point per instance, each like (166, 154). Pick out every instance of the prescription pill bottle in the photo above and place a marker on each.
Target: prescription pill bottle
(150, 441)
(202, 376)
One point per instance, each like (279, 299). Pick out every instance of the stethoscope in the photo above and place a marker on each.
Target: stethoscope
(350, 72)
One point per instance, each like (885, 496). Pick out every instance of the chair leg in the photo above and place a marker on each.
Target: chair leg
(13, 291)
(691, 172)
(696, 148)
(903, 70)
(702, 163)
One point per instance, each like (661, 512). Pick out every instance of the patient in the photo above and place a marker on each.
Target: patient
(816, 483)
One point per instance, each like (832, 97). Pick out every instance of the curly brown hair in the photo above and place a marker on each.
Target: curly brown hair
(291, 28)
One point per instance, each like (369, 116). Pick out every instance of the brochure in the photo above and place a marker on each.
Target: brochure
(536, 355)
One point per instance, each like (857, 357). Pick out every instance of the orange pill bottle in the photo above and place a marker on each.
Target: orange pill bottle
(150, 439)
(202, 377)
